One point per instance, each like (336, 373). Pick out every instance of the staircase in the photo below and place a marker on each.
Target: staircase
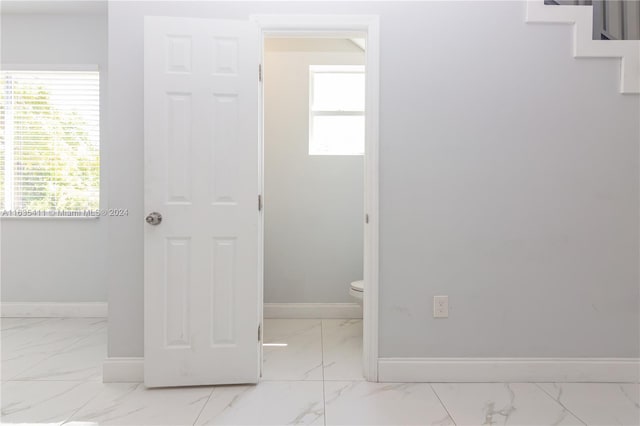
(612, 19)
(584, 46)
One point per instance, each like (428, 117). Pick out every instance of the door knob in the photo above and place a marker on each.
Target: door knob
(154, 218)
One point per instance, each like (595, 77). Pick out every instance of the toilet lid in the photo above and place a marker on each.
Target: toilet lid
(357, 285)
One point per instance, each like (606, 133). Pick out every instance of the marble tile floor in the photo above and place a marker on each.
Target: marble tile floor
(51, 375)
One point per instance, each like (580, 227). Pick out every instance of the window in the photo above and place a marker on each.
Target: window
(336, 112)
(49, 141)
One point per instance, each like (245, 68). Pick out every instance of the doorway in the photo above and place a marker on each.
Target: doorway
(364, 29)
(314, 110)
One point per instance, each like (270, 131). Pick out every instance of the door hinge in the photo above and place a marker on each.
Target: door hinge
(259, 332)
(259, 202)
(259, 72)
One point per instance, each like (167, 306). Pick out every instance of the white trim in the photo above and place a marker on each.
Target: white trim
(309, 25)
(313, 310)
(50, 67)
(371, 194)
(337, 69)
(583, 44)
(348, 26)
(124, 370)
(509, 370)
(53, 310)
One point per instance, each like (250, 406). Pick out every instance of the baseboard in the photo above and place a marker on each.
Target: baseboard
(53, 310)
(313, 310)
(509, 369)
(123, 370)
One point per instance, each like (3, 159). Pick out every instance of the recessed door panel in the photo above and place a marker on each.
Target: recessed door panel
(225, 56)
(179, 147)
(178, 277)
(178, 54)
(223, 291)
(226, 124)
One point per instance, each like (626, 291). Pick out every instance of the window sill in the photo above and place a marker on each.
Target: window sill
(11, 218)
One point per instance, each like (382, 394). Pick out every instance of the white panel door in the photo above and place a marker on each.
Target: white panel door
(201, 174)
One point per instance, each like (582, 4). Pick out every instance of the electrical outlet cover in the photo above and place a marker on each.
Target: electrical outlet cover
(441, 306)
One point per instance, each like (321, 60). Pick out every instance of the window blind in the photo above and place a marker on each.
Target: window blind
(49, 140)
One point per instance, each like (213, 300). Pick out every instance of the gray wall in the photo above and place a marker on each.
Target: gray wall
(313, 204)
(508, 180)
(56, 260)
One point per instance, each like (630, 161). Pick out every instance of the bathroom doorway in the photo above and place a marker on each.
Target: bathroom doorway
(314, 215)
(365, 28)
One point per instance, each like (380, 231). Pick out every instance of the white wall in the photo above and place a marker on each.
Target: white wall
(508, 178)
(313, 204)
(56, 260)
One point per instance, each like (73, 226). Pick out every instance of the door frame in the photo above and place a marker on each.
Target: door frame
(331, 26)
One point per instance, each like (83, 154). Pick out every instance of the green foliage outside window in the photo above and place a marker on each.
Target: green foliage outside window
(55, 152)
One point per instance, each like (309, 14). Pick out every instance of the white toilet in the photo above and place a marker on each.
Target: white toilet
(356, 290)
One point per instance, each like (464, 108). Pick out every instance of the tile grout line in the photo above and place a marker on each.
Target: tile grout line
(557, 401)
(203, 406)
(324, 399)
(442, 403)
